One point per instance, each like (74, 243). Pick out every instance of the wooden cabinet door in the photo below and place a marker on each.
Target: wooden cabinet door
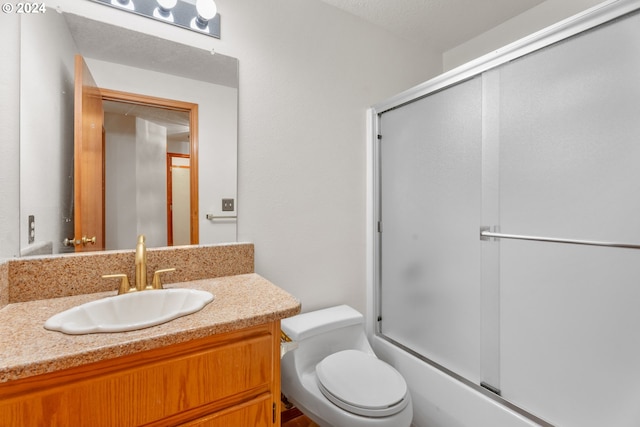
(224, 380)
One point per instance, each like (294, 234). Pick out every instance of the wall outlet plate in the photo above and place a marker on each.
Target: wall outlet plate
(228, 205)
(32, 229)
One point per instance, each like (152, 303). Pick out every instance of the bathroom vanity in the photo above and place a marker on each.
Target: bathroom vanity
(217, 367)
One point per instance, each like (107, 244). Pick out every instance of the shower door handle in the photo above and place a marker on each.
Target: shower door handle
(486, 234)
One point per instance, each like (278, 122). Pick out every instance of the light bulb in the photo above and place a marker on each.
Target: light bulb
(167, 4)
(126, 4)
(163, 11)
(206, 9)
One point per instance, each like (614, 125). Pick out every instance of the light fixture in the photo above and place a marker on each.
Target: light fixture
(199, 15)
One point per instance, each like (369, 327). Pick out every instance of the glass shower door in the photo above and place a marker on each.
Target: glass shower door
(430, 188)
(570, 168)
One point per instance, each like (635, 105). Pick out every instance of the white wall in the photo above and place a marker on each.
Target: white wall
(120, 172)
(9, 135)
(151, 180)
(307, 75)
(534, 19)
(46, 128)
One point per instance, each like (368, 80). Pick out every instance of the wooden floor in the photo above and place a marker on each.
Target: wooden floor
(292, 417)
(300, 421)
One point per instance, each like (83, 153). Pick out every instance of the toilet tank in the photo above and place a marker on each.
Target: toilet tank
(314, 323)
(324, 332)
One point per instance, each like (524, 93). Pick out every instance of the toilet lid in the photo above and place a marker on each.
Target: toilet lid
(362, 384)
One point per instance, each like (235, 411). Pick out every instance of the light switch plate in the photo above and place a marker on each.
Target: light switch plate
(228, 205)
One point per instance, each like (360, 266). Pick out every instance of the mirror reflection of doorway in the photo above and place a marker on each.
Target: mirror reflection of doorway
(121, 141)
(142, 194)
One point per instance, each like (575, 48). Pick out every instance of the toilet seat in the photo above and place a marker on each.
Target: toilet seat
(362, 384)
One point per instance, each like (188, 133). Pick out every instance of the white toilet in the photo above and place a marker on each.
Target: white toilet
(334, 377)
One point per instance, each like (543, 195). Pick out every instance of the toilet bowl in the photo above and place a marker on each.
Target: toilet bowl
(335, 378)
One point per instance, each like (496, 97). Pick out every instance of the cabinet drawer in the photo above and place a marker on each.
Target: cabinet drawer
(256, 413)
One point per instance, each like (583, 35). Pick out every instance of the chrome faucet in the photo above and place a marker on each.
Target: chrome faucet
(140, 283)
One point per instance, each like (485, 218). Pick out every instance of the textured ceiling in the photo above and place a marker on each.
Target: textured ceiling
(111, 43)
(440, 24)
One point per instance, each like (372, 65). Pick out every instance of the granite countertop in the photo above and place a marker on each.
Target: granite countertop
(27, 348)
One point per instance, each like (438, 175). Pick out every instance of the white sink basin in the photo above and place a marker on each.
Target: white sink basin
(129, 312)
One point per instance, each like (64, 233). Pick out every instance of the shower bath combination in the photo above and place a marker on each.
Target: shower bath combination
(505, 209)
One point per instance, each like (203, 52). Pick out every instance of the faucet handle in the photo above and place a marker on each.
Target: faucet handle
(156, 283)
(124, 283)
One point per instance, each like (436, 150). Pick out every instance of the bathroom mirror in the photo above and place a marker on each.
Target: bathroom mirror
(126, 61)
